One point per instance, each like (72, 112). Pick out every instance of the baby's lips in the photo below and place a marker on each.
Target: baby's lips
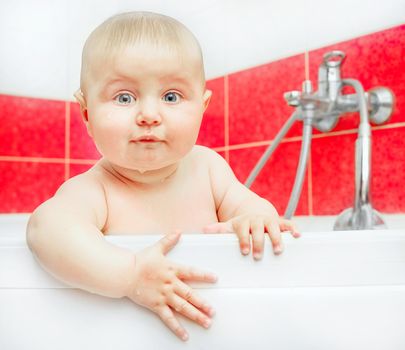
(147, 138)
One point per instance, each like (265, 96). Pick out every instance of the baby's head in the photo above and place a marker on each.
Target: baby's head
(145, 32)
(142, 74)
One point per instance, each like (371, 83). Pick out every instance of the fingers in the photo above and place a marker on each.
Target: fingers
(182, 306)
(242, 230)
(275, 236)
(288, 225)
(168, 318)
(185, 301)
(257, 228)
(168, 241)
(159, 287)
(192, 274)
(187, 293)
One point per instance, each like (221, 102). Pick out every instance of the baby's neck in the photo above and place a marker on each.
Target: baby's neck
(139, 177)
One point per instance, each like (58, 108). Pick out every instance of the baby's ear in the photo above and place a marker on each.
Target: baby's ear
(207, 98)
(79, 96)
(82, 102)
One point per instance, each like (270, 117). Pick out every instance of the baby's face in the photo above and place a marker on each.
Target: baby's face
(145, 110)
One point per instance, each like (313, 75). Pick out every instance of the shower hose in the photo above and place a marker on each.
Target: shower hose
(302, 164)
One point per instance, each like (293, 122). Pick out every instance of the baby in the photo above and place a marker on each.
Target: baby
(142, 97)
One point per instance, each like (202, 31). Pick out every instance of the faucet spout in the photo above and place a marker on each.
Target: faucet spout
(362, 215)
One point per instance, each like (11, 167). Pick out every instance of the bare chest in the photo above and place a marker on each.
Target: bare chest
(185, 204)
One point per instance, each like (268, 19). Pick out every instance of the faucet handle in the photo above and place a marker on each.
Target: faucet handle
(334, 58)
(293, 98)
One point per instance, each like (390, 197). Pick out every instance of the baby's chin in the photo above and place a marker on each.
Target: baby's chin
(144, 167)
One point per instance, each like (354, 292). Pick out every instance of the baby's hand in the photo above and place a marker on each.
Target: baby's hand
(257, 225)
(159, 287)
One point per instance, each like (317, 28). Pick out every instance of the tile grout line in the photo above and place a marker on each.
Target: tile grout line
(46, 160)
(226, 118)
(298, 138)
(388, 126)
(254, 144)
(67, 140)
(83, 161)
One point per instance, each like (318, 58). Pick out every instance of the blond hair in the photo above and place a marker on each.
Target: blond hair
(144, 30)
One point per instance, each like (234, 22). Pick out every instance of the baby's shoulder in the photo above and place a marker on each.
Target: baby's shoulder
(219, 169)
(81, 197)
(82, 185)
(203, 153)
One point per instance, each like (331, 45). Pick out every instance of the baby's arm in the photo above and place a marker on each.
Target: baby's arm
(242, 211)
(65, 235)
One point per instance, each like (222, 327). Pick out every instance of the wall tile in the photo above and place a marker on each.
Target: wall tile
(276, 180)
(25, 185)
(212, 127)
(81, 144)
(333, 174)
(374, 60)
(388, 169)
(32, 127)
(257, 109)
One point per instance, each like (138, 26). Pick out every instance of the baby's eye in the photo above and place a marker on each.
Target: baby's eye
(172, 97)
(124, 99)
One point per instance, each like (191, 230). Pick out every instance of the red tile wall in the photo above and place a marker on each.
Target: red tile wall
(43, 143)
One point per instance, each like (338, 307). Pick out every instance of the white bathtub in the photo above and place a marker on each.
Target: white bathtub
(328, 290)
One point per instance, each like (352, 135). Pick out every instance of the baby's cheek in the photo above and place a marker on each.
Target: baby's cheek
(186, 142)
(106, 141)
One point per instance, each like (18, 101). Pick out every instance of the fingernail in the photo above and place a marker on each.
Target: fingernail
(208, 310)
(207, 323)
(257, 256)
(184, 336)
(245, 251)
(214, 277)
(211, 312)
(172, 236)
(278, 249)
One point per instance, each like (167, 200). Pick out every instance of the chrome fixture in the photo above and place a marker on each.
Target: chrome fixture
(321, 110)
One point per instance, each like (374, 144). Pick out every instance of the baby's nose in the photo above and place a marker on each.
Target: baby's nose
(148, 114)
(148, 119)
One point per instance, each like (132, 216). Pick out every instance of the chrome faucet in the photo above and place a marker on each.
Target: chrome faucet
(322, 109)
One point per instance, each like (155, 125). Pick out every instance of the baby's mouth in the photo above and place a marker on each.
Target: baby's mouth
(147, 139)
